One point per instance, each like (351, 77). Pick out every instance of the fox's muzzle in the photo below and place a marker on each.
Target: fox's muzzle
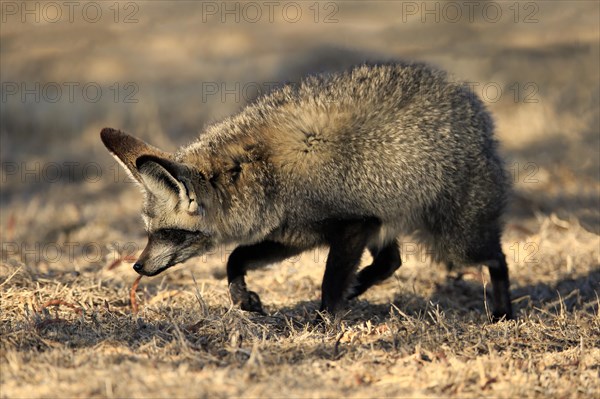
(145, 265)
(168, 247)
(140, 269)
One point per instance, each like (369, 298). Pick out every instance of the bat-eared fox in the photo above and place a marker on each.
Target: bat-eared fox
(350, 161)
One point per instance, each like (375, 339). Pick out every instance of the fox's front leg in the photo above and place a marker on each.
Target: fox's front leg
(347, 240)
(250, 257)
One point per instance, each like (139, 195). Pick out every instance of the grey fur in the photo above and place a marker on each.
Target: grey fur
(397, 148)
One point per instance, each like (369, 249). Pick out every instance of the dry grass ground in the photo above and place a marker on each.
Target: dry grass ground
(67, 324)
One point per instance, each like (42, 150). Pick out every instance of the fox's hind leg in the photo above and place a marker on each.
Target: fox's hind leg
(501, 287)
(385, 262)
(250, 257)
(489, 252)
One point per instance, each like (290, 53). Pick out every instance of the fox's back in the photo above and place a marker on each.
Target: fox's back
(379, 140)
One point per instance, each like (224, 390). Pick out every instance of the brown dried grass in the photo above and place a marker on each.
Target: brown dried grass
(94, 332)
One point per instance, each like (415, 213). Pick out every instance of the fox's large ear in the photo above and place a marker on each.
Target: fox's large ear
(127, 149)
(170, 181)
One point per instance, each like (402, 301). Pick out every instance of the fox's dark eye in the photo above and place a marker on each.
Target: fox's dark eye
(176, 235)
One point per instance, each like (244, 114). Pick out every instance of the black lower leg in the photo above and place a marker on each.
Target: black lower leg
(385, 262)
(347, 242)
(252, 257)
(501, 288)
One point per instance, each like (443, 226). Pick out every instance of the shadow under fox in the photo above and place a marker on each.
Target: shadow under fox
(349, 161)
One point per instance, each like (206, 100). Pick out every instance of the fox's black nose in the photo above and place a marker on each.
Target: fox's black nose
(138, 267)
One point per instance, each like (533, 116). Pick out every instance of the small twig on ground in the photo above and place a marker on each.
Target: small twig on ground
(336, 347)
(134, 306)
(115, 263)
(11, 276)
(485, 302)
(199, 298)
(120, 260)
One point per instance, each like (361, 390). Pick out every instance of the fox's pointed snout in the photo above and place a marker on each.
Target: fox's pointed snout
(138, 267)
